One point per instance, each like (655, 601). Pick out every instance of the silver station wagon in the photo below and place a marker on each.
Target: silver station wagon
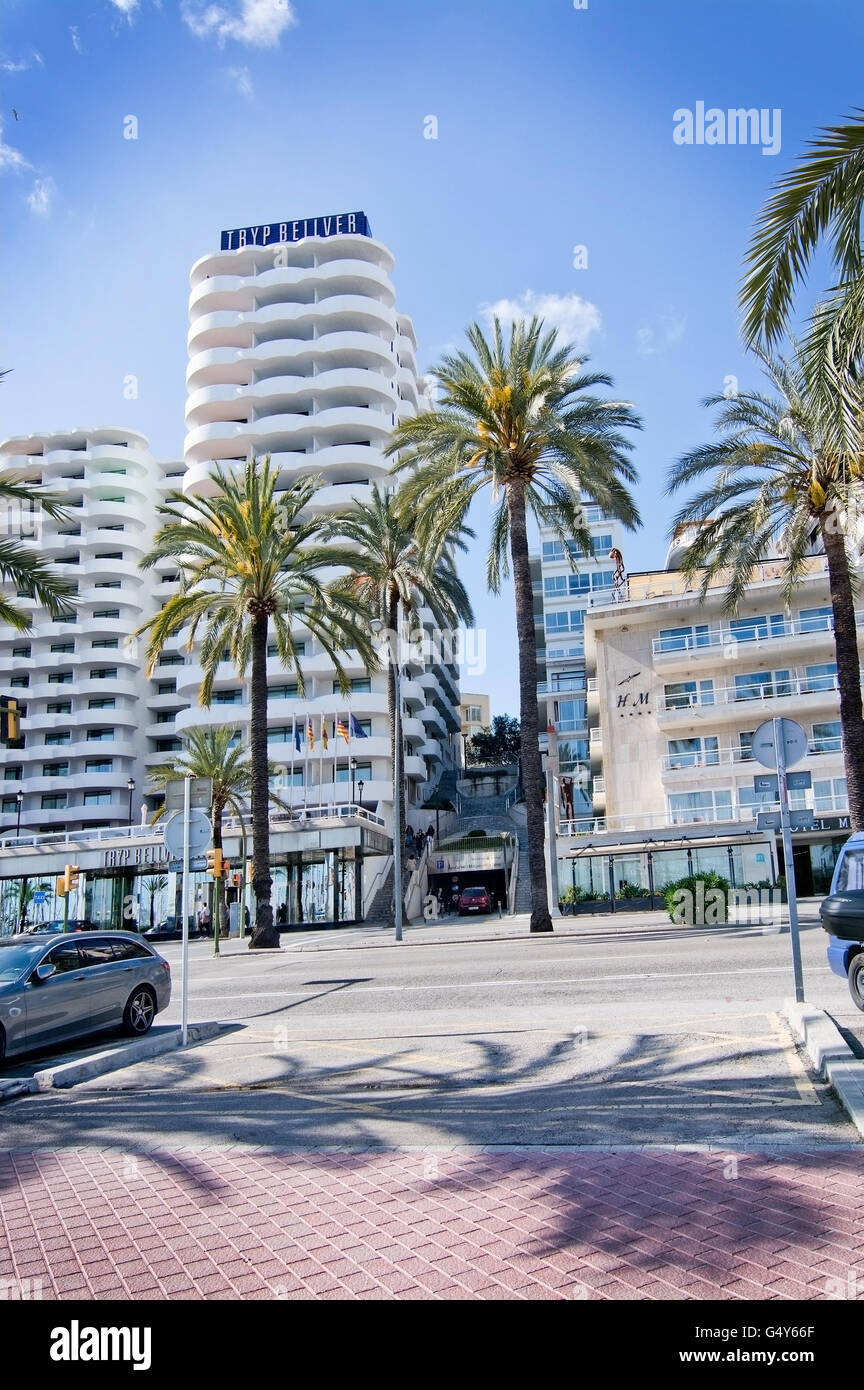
(53, 989)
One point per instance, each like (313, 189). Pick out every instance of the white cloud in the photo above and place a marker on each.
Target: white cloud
(575, 318)
(41, 197)
(127, 7)
(241, 80)
(260, 23)
(12, 65)
(11, 158)
(76, 41)
(667, 329)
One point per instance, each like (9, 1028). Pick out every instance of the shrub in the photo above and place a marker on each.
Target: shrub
(632, 890)
(711, 885)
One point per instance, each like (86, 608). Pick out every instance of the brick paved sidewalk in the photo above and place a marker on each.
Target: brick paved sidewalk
(509, 1223)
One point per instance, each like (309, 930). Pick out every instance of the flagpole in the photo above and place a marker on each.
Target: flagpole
(305, 764)
(321, 766)
(293, 751)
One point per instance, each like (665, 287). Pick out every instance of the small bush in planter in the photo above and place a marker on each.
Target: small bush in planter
(698, 900)
(632, 890)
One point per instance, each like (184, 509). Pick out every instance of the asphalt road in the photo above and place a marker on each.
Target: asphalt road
(615, 1032)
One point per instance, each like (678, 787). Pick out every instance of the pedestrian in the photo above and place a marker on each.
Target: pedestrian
(282, 914)
(430, 837)
(247, 919)
(420, 841)
(440, 896)
(409, 840)
(204, 920)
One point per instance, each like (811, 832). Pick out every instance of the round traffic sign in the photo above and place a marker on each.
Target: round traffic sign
(199, 833)
(794, 739)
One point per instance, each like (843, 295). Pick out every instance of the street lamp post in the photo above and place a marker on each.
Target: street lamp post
(352, 763)
(19, 797)
(361, 784)
(130, 786)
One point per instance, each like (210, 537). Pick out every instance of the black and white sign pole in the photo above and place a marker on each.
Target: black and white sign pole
(398, 832)
(788, 859)
(184, 899)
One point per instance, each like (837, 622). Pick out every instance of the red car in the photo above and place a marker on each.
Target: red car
(474, 900)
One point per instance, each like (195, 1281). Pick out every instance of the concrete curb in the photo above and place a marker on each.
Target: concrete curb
(66, 1074)
(831, 1056)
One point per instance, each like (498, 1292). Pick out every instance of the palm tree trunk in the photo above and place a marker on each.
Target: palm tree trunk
(395, 744)
(218, 883)
(264, 934)
(848, 667)
(532, 771)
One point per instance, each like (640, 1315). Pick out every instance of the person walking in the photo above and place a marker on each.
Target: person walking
(430, 836)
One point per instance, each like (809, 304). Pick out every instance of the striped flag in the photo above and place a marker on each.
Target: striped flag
(310, 735)
(342, 730)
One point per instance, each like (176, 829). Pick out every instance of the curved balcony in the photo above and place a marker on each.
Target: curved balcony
(333, 350)
(345, 312)
(243, 292)
(210, 404)
(302, 254)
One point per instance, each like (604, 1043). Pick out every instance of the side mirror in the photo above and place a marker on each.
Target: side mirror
(44, 971)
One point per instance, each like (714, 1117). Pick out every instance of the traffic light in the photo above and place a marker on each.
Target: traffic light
(216, 865)
(237, 880)
(68, 880)
(10, 722)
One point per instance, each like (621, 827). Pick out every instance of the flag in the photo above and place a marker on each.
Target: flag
(310, 735)
(296, 735)
(324, 733)
(341, 730)
(356, 730)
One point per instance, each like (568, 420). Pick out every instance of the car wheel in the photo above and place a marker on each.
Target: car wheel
(140, 1011)
(856, 980)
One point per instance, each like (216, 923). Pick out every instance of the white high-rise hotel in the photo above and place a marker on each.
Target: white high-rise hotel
(296, 350)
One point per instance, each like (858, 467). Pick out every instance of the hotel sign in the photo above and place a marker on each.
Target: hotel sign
(272, 233)
(132, 856)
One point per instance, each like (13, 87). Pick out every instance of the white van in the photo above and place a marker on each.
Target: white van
(842, 914)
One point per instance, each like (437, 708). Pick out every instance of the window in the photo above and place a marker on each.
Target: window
(830, 794)
(13, 774)
(693, 752)
(693, 806)
(473, 714)
(573, 755)
(362, 773)
(603, 579)
(572, 621)
(108, 555)
(759, 627)
(60, 678)
(683, 639)
(102, 702)
(106, 612)
(850, 875)
(570, 716)
(59, 707)
(113, 497)
(299, 648)
(168, 745)
(762, 685)
(228, 697)
(99, 735)
(62, 646)
(593, 514)
(165, 716)
(171, 659)
(53, 801)
(817, 619)
(99, 765)
(105, 642)
(552, 551)
(97, 953)
(22, 652)
(64, 958)
(103, 673)
(22, 682)
(822, 676)
(107, 584)
(283, 692)
(97, 798)
(58, 736)
(827, 738)
(684, 694)
(129, 950)
(601, 545)
(55, 769)
(166, 688)
(115, 526)
(284, 734)
(360, 685)
(10, 806)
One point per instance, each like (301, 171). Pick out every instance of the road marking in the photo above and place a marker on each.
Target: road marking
(497, 984)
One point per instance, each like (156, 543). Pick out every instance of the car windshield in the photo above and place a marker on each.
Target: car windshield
(16, 960)
(475, 892)
(850, 875)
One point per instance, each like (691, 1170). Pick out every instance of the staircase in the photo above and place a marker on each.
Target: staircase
(492, 813)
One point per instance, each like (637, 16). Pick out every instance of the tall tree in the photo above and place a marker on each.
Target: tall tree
(783, 476)
(252, 558)
(820, 200)
(520, 418)
(499, 744)
(394, 571)
(218, 756)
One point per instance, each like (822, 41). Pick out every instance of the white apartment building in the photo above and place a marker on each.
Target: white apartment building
(567, 586)
(80, 681)
(677, 688)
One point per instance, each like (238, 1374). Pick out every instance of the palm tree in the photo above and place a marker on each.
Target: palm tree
(520, 419)
(783, 476)
(155, 884)
(248, 557)
(821, 198)
(394, 572)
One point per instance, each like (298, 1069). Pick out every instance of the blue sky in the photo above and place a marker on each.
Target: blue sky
(555, 130)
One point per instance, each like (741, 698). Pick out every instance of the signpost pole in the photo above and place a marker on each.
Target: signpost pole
(791, 892)
(398, 832)
(184, 899)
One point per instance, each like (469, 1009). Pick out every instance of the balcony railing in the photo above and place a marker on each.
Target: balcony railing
(738, 694)
(660, 820)
(717, 757)
(718, 639)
